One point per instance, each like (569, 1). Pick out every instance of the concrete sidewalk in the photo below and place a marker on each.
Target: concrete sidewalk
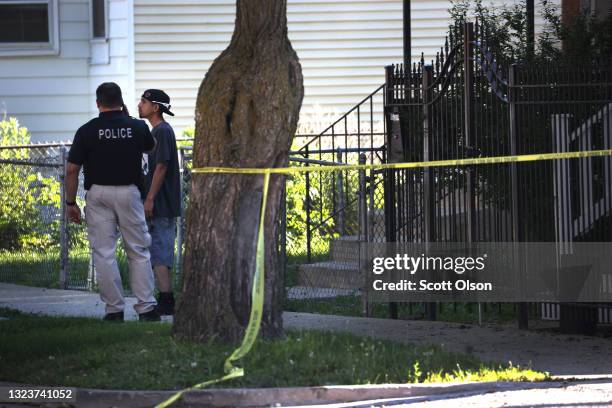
(561, 355)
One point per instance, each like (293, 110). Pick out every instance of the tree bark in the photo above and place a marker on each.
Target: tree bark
(246, 115)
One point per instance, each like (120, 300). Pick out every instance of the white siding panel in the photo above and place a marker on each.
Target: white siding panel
(36, 67)
(46, 86)
(75, 13)
(116, 68)
(74, 30)
(35, 105)
(118, 28)
(119, 67)
(119, 47)
(74, 49)
(343, 46)
(47, 127)
(118, 10)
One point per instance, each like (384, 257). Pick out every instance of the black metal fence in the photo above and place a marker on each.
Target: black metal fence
(466, 104)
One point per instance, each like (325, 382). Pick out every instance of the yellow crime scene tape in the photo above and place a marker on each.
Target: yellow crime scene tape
(257, 293)
(257, 298)
(412, 165)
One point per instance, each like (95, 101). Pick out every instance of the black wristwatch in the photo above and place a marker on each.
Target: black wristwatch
(70, 203)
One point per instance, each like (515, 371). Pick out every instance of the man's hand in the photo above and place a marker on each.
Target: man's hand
(74, 213)
(148, 208)
(72, 183)
(158, 179)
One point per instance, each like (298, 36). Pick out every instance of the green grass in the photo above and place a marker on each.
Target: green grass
(352, 306)
(41, 268)
(90, 353)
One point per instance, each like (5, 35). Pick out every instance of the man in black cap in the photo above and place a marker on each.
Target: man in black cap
(110, 149)
(163, 198)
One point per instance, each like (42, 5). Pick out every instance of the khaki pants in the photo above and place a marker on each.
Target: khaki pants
(109, 207)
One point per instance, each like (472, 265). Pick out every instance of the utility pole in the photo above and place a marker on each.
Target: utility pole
(530, 29)
(408, 37)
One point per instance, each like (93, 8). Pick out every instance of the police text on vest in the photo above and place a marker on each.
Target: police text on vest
(121, 133)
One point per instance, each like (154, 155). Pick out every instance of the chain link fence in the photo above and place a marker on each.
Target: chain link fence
(38, 246)
(327, 215)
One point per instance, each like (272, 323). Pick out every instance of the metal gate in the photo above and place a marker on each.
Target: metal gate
(467, 104)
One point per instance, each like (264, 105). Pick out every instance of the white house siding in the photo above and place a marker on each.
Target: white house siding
(53, 95)
(343, 46)
(120, 66)
(50, 94)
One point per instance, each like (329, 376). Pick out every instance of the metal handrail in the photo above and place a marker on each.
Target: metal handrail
(340, 150)
(446, 83)
(314, 161)
(343, 117)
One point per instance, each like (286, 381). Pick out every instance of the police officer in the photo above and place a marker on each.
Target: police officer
(110, 149)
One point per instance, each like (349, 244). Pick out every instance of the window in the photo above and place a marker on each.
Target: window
(28, 27)
(98, 18)
(99, 44)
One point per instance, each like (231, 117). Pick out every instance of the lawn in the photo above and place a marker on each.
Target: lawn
(40, 268)
(90, 353)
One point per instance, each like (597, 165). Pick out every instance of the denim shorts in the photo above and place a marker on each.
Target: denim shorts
(163, 234)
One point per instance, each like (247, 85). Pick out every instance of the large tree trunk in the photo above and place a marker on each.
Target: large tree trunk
(246, 115)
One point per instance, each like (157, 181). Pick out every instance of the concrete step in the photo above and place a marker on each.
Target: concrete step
(344, 249)
(331, 274)
(311, 292)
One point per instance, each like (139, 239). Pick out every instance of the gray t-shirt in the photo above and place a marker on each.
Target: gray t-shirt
(168, 199)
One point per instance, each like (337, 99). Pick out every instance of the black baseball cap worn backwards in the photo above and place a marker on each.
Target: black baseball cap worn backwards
(160, 98)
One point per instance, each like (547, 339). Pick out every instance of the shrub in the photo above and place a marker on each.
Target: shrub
(24, 195)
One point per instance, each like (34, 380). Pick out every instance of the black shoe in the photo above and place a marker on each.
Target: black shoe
(113, 317)
(150, 316)
(165, 303)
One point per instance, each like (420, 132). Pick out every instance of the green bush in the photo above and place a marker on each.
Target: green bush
(23, 195)
(189, 132)
(584, 36)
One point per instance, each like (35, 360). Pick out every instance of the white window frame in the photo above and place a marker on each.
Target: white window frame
(106, 23)
(52, 47)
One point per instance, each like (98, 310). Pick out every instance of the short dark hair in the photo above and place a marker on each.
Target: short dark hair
(109, 95)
